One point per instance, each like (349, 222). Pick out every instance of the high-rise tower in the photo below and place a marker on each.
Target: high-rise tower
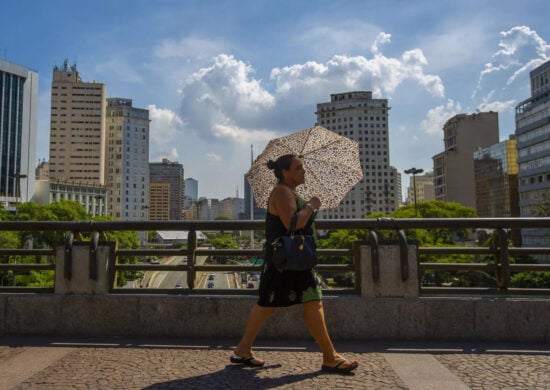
(77, 128)
(127, 160)
(18, 118)
(533, 143)
(358, 116)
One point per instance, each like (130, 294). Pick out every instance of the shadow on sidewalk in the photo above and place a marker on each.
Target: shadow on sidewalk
(235, 377)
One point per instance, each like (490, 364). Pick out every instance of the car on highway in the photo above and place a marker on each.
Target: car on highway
(179, 285)
(211, 276)
(210, 284)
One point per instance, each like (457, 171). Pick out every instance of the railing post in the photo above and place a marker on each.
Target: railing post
(67, 268)
(391, 278)
(94, 242)
(90, 267)
(191, 246)
(375, 257)
(403, 254)
(502, 259)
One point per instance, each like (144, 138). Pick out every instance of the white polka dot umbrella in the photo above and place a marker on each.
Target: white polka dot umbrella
(331, 162)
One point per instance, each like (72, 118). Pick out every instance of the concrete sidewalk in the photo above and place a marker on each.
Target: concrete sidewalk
(71, 363)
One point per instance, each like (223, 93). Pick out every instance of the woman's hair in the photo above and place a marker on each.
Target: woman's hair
(281, 163)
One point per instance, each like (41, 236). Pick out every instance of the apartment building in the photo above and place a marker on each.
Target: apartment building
(127, 160)
(453, 170)
(358, 116)
(18, 119)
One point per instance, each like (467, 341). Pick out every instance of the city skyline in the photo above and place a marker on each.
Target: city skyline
(217, 80)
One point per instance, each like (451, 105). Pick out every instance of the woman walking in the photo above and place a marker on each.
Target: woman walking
(286, 288)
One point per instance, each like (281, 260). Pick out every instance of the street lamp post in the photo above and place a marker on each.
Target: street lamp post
(414, 171)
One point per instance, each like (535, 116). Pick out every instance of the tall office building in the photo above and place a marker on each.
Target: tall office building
(191, 192)
(127, 176)
(496, 180)
(77, 128)
(358, 116)
(454, 167)
(533, 144)
(166, 185)
(250, 204)
(18, 118)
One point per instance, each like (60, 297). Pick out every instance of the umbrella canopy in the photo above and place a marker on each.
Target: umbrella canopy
(331, 162)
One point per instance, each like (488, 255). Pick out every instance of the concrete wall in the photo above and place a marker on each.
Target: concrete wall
(348, 317)
(387, 308)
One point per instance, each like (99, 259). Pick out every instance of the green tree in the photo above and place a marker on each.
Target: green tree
(436, 209)
(531, 280)
(541, 208)
(222, 241)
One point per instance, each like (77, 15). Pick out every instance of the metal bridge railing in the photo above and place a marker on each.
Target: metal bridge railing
(499, 251)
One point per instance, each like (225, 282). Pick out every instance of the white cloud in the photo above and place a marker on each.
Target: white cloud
(497, 106)
(521, 50)
(437, 116)
(380, 40)
(225, 97)
(165, 130)
(241, 135)
(382, 75)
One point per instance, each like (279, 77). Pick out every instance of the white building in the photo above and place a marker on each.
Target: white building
(358, 116)
(127, 160)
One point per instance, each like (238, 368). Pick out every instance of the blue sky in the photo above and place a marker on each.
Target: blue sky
(219, 76)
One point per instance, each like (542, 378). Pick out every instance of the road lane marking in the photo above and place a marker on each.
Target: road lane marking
(423, 372)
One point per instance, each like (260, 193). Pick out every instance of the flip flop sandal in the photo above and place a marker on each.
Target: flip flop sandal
(248, 361)
(337, 368)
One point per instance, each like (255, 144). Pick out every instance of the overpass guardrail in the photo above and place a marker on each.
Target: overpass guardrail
(496, 259)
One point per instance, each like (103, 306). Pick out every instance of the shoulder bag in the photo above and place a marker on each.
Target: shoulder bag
(294, 251)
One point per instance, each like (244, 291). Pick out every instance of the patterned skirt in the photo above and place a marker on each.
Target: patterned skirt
(287, 288)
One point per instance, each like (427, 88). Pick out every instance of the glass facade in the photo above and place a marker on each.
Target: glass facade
(496, 180)
(11, 125)
(18, 108)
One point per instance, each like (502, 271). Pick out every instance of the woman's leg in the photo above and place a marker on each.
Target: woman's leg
(256, 319)
(314, 316)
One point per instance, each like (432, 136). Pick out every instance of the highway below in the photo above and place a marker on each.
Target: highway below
(178, 279)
